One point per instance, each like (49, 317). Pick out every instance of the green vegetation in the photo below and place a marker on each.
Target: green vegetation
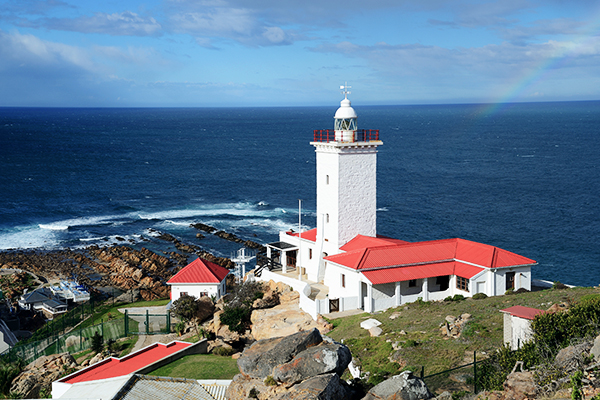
(238, 308)
(419, 323)
(200, 366)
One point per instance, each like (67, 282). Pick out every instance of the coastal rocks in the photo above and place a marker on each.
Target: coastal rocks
(453, 326)
(40, 374)
(404, 386)
(203, 227)
(299, 366)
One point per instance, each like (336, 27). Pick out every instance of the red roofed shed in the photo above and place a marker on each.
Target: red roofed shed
(199, 278)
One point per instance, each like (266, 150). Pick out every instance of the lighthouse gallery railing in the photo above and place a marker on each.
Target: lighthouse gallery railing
(361, 135)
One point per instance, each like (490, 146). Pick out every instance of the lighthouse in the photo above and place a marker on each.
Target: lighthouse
(346, 180)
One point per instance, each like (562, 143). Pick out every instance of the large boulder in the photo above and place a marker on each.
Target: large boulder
(322, 387)
(258, 360)
(520, 386)
(405, 386)
(322, 359)
(573, 358)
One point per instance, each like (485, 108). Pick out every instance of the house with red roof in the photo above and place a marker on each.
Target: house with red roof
(199, 278)
(344, 264)
(517, 325)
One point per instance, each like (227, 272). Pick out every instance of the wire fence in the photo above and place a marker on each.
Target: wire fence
(80, 339)
(463, 377)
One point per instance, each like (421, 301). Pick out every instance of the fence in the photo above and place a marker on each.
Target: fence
(453, 382)
(79, 339)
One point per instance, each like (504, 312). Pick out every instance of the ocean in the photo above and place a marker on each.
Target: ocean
(523, 177)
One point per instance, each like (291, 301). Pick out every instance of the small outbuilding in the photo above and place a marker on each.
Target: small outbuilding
(199, 278)
(517, 325)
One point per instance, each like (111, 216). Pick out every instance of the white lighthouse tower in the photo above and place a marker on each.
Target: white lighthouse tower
(346, 180)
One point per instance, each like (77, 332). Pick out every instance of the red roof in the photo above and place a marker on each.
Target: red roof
(308, 235)
(113, 367)
(361, 242)
(200, 271)
(523, 312)
(406, 261)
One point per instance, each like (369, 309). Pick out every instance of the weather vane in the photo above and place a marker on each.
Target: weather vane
(344, 88)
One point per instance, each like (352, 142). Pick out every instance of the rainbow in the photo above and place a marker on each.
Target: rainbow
(561, 54)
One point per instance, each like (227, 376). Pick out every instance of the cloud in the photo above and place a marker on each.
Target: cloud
(126, 23)
(479, 71)
(238, 24)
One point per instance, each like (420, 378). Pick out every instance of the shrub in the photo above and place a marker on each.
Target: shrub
(236, 318)
(180, 328)
(223, 351)
(458, 297)
(97, 342)
(558, 285)
(270, 381)
(411, 343)
(449, 298)
(480, 296)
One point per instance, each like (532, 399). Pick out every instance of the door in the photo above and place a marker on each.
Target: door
(334, 305)
(510, 280)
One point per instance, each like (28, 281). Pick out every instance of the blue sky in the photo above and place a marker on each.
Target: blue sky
(189, 53)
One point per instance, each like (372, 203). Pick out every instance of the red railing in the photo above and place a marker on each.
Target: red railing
(361, 135)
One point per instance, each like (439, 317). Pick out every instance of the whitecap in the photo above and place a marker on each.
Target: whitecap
(54, 227)
(382, 209)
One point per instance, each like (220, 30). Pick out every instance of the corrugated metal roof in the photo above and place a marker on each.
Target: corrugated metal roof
(424, 259)
(157, 388)
(200, 271)
(361, 242)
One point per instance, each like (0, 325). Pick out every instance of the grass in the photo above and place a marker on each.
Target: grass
(200, 366)
(108, 311)
(416, 333)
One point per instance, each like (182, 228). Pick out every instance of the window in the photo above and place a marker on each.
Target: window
(203, 294)
(462, 283)
(327, 179)
(343, 280)
(412, 283)
(327, 218)
(510, 280)
(310, 254)
(183, 294)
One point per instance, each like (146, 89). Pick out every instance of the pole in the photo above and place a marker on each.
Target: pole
(126, 324)
(422, 371)
(147, 322)
(475, 372)
(298, 264)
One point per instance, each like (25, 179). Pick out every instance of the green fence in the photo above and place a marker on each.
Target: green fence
(147, 324)
(463, 377)
(79, 339)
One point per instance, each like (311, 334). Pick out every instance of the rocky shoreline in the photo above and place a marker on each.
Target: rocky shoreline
(122, 267)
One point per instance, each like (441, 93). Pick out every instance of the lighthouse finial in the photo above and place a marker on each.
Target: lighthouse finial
(344, 88)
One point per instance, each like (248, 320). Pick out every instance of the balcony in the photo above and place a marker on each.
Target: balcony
(361, 135)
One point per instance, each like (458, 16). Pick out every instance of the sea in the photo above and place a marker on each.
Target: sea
(524, 177)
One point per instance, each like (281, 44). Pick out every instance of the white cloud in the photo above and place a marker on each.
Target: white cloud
(126, 23)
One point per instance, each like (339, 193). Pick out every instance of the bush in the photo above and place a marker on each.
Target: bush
(236, 318)
(480, 296)
(223, 351)
(97, 342)
(410, 343)
(458, 297)
(270, 381)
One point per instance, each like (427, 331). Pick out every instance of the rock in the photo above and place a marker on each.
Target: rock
(520, 386)
(369, 323)
(40, 374)
(284, 319)
(269, 300)
(444, 396)
(206, 309)
(321, 359)
(405, 386)
(322, 387)
(258, 360)
(375, 331)
(572, 358)
(394, 315)
(595, 351)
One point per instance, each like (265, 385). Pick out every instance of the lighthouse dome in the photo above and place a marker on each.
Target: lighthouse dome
(345, 111)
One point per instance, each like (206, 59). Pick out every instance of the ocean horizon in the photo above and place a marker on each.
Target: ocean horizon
(519, 176)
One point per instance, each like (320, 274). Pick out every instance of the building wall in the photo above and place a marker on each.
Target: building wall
(522, 279)
(212, 289)
(346, 193)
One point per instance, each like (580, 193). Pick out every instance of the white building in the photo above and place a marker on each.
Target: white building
(199, 278)
(343, 264)
(517, 325)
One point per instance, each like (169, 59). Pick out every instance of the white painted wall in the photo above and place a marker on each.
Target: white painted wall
(195, 289)
(346, 192)
(517, 331)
